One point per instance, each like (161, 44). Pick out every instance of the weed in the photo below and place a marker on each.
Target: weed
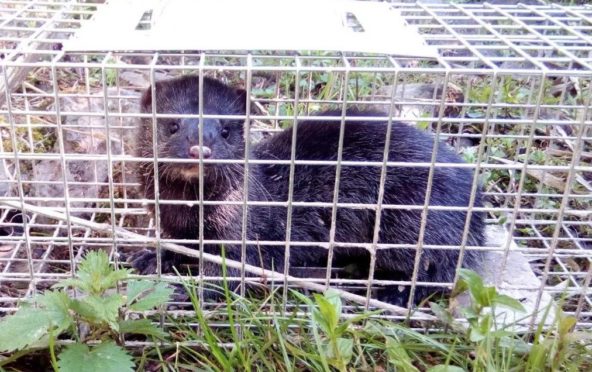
(102, 313)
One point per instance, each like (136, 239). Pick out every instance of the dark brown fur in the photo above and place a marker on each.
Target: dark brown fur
(316, 140)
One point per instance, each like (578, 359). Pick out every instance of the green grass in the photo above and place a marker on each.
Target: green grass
(316, 333)
(309, 332)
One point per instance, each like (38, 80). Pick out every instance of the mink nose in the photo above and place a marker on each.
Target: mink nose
(196, 153)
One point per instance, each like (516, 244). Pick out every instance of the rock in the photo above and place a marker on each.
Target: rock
(422, 100)
(516, 280)
(140, 78)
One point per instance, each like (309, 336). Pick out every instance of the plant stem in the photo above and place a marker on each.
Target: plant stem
(54, 361)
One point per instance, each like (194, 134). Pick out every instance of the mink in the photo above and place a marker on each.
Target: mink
(316, 139)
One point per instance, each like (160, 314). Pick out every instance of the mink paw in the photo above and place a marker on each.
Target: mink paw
(395, 295)
(144, 262)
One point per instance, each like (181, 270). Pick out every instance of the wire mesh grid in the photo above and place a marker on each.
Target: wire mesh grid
(510, 92)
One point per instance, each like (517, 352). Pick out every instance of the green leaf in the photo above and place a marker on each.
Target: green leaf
(441, 313)
(501, 334)
(509, 302)
(97, 309)
(72, 282)
(107, 308)
(536, 358)
(488, 296)
(566, 325)
(460, 287)
(300, 297)
(398, 356)
(31, 324)
(106, 357)
(486, 324)
(469, 314)
(476, 335)
(84, 310)
(56, 306)
(475, 285)
(24, 328)
(470, 277)
(144, 295)
(445, 368)
(356, 319)
(142, 327)
(373, 329)
(515, 345)
(325, 315)
(92, 269)
(111, 280)
(135, 288)
(346, 348)
(96, 274)
(423, 125)
(334, 299)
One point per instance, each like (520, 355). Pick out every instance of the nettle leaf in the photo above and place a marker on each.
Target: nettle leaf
(144, 295)
(94, 265)
(74, 283)
(135, 288)
(106, 357)
(97, 274)
(96, 309)
(111, 280)
(142, 327)
(107, 308)
(31, 325)
(56, 306)
(24, 328)
(95, 283)
(95, 261)
(84, 310)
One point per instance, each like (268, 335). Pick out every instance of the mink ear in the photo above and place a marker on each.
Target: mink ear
(146, 100)
(244, 100)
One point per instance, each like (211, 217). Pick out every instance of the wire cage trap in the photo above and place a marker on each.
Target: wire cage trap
(509, 90)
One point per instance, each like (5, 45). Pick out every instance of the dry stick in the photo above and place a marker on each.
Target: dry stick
(123, 233)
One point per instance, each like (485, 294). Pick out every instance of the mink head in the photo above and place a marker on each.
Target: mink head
(179, 137)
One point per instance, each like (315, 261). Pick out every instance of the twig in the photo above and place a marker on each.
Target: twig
(123, 233)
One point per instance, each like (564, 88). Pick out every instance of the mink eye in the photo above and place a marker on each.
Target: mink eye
(225, 132)
(173, 127)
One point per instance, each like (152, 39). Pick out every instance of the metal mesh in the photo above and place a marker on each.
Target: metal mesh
(510, 92)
